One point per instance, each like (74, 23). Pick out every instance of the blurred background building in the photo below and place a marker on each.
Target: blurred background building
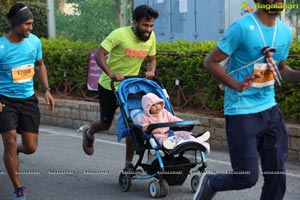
(92, 20)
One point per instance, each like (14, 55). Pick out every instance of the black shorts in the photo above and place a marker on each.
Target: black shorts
(20, 114)
(108, 104)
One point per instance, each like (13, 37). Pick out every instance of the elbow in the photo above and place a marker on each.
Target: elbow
(206, 64)
(101, 55)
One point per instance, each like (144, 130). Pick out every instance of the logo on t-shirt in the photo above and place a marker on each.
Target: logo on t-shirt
(137, 54)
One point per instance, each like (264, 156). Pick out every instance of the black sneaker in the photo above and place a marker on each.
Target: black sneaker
(19, 194)
(128, 167)
(87, 143)
(204, 191)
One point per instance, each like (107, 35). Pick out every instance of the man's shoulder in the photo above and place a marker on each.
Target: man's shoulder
(3, 38)
(241, 24)
(122, 29)
(244, 20)
(33, 37)
(284, 25)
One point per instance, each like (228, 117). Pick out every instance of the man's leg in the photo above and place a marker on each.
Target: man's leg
(28, 125)
(241, 133)
(29, 143)
(108, 106)
(273, 150)
(88, 135)
(10, 157)
(129, 154)
(241, 137)
(22, 115)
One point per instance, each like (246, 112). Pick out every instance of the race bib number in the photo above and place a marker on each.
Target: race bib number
(267, 78)
(23, 73)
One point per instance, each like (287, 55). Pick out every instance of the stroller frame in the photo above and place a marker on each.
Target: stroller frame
(166, 163)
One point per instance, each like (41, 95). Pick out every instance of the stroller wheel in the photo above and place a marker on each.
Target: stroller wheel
(124, 182)
(195, 182)
(164, 188)
(154, 189)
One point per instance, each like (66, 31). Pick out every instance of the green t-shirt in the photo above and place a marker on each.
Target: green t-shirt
(126, 53)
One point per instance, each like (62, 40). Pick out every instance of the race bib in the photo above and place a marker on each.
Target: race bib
(267, 78)
(23, 73)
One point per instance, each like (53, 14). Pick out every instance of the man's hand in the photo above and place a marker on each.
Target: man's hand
(149, 74)
(247, 82)
(49, 100)
(118, 77)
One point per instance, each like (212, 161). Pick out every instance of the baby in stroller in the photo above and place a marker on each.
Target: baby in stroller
(166, 166)
(154, 112)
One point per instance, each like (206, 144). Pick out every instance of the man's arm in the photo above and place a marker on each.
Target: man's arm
(213, 66)
(41, 72)
(100, 58)
(287, 73)
(151, 67)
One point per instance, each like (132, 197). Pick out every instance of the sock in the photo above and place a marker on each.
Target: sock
(88, 134)
(128, 163)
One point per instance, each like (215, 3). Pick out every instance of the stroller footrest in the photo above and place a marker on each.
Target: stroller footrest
(187, 146)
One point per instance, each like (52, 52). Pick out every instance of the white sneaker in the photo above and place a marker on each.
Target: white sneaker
(204, 137)
(167, 144)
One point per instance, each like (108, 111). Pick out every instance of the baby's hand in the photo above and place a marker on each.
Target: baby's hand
(145, 127)
(1, 106)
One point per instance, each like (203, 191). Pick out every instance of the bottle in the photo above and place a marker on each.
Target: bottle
(153, 143)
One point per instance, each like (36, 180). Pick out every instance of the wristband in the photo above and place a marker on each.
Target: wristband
(45, 89)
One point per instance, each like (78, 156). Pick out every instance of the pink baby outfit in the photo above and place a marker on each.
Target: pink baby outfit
(164, 116)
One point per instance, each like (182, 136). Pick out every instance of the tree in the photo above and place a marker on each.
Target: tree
(90, 20)
(293, 15)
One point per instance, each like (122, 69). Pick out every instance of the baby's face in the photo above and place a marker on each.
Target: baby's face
(155, 108)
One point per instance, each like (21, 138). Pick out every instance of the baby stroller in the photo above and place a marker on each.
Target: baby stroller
(165, 167)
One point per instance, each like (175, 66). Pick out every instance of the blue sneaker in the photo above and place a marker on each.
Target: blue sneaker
(19, 194)
(204, 191)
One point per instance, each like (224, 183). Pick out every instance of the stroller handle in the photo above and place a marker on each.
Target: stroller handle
(112, 83)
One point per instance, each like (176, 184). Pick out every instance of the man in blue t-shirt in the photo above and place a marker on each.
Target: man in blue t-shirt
(20, 59)
(257, 46)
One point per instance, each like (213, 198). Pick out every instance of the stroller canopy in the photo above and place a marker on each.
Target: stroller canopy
(131, 86)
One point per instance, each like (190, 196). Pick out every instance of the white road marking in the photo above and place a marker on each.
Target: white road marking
(122, 144)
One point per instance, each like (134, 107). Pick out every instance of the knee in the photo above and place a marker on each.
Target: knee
(101, 125)
(246, 180)
(10, 142)
(106, 125)
(30, 149)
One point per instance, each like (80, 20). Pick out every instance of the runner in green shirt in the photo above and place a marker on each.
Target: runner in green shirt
(121, 54)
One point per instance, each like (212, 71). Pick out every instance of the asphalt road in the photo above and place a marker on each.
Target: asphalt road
(59, 170)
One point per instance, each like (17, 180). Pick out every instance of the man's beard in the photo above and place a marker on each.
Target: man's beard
(141, 35)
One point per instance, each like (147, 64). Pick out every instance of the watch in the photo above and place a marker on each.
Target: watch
(45, 89)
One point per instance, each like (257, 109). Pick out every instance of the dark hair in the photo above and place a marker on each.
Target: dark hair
(144, 11)
(14, 10)
(18, 14)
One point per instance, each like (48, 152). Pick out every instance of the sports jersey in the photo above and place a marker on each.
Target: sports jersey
(17, 66)
(126, 53)
(244, 43)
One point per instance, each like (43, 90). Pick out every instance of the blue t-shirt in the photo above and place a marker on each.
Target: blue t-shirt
(243, 43)
(17, 66)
